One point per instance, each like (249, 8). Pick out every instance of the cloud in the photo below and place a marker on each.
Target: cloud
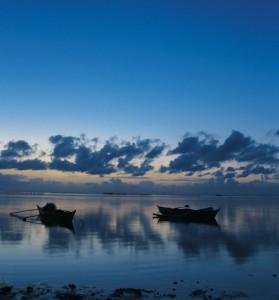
(135, 170)
(250, 169)
(196, 154)
(201, 155)
(11, 183)
(16, 149)
(74, 154)
(16, 156)
(64, 146)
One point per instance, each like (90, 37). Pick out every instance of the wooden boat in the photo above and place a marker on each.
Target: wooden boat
(50, 212)
(185, 219)
(187, 213)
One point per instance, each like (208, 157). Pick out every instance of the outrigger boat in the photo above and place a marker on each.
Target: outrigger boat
(50, 212)
(185, 213)
(185, 219)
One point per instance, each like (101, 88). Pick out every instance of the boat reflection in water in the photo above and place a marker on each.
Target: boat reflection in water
(210, 221)
(118, 242)
(50, 216)
(56, 223)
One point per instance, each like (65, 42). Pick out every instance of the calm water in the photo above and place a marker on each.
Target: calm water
(116, 242)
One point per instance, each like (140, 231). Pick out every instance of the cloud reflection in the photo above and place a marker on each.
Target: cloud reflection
(245, 231)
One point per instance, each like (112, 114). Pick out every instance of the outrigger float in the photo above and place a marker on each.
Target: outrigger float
(49, 212)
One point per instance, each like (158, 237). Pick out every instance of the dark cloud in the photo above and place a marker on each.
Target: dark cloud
(16, 149)
(16, 156)
(74, 154)
(62, 165)
(155, 152)
(255, 170)
(262, 154)
(133, 169)
(64, 146)
(233, 146)
(201, 155)
(196, 154)
(29, 164)
(187, 163)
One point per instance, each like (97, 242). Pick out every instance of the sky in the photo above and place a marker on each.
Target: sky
(164, 96)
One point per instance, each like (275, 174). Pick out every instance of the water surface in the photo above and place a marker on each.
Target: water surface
(116, 242)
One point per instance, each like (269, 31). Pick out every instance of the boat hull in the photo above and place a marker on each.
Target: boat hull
(185, 219)
(187, 213)
(57, 215)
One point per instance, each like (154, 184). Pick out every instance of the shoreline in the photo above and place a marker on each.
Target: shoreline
(45, 291)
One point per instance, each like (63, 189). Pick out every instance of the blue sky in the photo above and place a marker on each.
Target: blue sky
(151, 69)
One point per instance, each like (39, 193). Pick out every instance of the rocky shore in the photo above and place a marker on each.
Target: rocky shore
(43, 291)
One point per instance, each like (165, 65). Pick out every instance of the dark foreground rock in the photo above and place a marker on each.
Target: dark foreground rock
(44, 291)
